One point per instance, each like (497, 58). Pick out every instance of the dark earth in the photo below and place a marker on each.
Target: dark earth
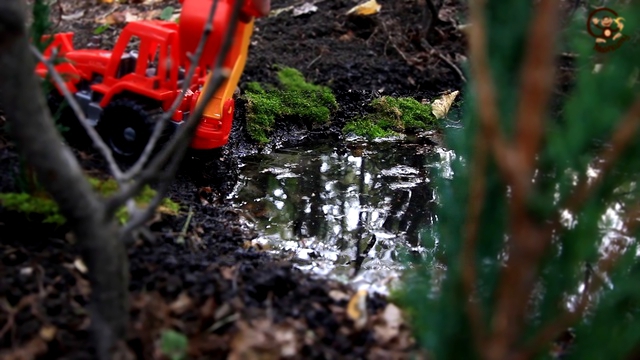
(230, 299)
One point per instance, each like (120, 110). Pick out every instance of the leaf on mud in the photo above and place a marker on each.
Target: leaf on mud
(388, 325)
(440, 107)
(262, 340)
(75, 16)
(112, 19)
(79, 265)
(306, 8)
(277, 12)
(338, 295)
(181, 304)
(228, 272)
(118, 17)
(357, 309)
(370, 7)
(48, 332)
(464, 28)
(30, 350)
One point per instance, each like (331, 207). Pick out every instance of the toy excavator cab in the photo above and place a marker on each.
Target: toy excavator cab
(151, 71)
(127, 65)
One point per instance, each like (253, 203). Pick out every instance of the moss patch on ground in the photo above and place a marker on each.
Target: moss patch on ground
(392, 116)
(293, 97)
(43, 205)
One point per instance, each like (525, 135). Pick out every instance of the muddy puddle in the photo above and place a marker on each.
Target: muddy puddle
(351, 213)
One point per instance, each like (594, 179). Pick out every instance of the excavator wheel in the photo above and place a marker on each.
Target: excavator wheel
(127, 124)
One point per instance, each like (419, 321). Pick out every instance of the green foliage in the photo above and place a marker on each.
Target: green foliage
(41, 24)
(167, 13)
(100, 29)
(31, 204)
(573, 138)
(42, 204)
(174, 345)
(294, 98)
(393, 115)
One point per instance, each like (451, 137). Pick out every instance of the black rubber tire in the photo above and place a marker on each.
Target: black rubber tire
(126, 126)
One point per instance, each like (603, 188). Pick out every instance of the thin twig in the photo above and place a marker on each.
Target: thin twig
(452, 65)
(183, 232)
(485, 89)
(490, 134)
(527, 244)
(91, 131)
(537, 84)
(469, 273)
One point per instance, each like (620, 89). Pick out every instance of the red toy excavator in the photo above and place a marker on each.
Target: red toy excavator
(122, 91)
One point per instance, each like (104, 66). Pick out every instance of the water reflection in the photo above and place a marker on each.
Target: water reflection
(337, 211)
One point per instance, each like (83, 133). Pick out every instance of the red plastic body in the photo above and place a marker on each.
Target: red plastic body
(162, 55)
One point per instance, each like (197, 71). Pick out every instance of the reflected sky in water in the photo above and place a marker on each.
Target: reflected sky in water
(337, 211)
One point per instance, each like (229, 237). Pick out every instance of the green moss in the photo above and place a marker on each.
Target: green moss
(393, 115)
(367, 128)
(43, 205)
(294, 97)
(31, 204)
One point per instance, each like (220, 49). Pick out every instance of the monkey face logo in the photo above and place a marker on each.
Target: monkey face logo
(606, 27)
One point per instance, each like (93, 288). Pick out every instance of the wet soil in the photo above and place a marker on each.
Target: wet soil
(228, 297)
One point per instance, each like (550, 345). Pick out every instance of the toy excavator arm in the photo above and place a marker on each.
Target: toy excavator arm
(217, 119)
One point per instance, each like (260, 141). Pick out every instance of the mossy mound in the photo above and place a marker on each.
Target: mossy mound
(294, 97)
(392, 116)
(44, 206)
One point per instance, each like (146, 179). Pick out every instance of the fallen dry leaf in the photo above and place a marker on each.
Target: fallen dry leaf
(28, 351)
(253, 342)
(263, 340)
(357, 309)
(370, 7)
(48, 332)
(338, 295)
(228, 272)
(181, 304)
(75, 16)
(388, 326)
(80, 266)
(440, 107)
(306, 8)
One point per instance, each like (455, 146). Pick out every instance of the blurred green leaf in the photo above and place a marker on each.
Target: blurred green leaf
(167, 13)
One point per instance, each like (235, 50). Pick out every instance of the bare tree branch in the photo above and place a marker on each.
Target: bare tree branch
(177, 147)
(59, 172)
(159, 128)
(527, 241)
(91, 131)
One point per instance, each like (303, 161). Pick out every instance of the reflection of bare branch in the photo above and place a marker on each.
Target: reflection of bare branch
(91, 131)
(626, 132)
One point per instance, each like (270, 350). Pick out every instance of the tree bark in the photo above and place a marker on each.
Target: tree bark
(35, 135)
